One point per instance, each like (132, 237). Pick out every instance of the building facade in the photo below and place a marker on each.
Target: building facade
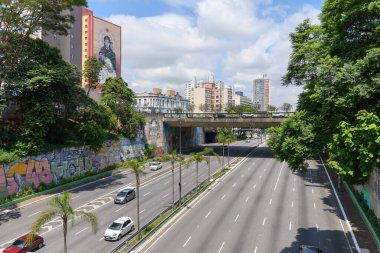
(156, 102)
(261, 93)
(240, 99)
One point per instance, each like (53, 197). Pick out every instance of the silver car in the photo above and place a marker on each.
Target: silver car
(125, 195)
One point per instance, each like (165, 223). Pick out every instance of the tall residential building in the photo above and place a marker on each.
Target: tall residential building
(240, 99)
(261, 93)
(211, 97)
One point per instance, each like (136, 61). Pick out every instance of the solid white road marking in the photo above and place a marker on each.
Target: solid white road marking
(246, 200)
(264, 221)
(207, 214)
(186, 242)
(290, 225)
(146, 193)
(34, 214)
(270, 201)
(81, 231)
(278, 178)
(223, 196)
(119, 209)
(165, 196)
(221, 247)
(237, 217)
(142, 211)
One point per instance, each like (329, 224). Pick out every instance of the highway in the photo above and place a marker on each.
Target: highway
(261, 206)
(97, 197)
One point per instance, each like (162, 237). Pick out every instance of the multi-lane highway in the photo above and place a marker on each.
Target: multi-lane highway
(97, 197)
(261, 206)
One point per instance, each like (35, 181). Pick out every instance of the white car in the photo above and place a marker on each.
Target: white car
(155, 165)
(119, 228)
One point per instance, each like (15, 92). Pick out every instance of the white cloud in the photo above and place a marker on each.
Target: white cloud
(167, 51)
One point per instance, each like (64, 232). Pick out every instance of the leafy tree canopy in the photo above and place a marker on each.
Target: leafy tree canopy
(241, 109)
(338, 65)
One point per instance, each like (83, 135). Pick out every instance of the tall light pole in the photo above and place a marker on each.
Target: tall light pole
(180, 160)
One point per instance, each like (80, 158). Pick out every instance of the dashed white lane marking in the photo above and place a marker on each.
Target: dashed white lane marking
(254, 186)
(294, 189)
(249, 168)
(260, 177)
(233, 185)
(34, 213)
(316, 225)
(246, 200)
(165, 195)
(256, 249)
(223, 196)
(221, 247)
(207, 214)
(237, 217)
(265, 169)
(312, 190)
(166, 182)
(264, 221)
(270, 201)
(278, 178)
(290, 225)
(101, 238)
(314, 204)
(242, 176)
(142, 211)
(184, 183)
(294, 180)
(119, 209)
(147, 193)
(186, 242)
(77, 233)
(292, 204)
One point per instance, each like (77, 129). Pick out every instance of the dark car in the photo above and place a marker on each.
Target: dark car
(125, 195)
(21, 245)
(309, 249)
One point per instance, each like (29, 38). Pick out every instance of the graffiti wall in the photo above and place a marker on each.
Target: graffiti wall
(31, 172)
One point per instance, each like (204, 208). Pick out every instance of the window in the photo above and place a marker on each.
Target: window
(85, 38)
(85, 50)
(85, 32)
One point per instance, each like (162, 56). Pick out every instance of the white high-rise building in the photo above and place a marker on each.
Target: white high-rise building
(261, 93)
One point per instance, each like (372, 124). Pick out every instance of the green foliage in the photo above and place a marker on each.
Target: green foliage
(337, 63)
(149, 150)
(92, 68)
(356, 146)
(241, 109)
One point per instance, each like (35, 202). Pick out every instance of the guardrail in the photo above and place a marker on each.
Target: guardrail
(215, 115)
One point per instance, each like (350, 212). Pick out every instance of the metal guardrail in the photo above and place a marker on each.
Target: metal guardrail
(218, 115)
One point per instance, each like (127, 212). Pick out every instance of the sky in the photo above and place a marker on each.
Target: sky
(166, 43)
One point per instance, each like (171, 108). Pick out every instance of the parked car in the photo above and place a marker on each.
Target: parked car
(155, 165)
(119, 228)
(309, 249)
(21, 245)
(125, 195)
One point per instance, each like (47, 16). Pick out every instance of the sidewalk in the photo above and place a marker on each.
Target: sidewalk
(360, 229)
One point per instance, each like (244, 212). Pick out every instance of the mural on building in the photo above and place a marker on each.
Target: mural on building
(31, 172)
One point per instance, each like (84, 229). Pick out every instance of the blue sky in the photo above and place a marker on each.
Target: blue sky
(168, 42)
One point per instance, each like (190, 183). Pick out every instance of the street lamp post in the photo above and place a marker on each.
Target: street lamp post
(180, 160)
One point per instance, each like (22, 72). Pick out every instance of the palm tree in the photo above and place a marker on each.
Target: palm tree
(210, 151)
(172, 157)
(197, 157)
(222, 139)
(229, 138)
(272, 108)
(60, 206)
(137, 167)
(287, 107)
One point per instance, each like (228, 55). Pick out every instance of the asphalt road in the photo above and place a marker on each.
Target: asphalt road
(261, 206)
(97, 197)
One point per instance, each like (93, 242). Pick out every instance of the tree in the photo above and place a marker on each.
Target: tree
(225, 136)
(172, 157)
(241, 109)
(137, 168)
(272, 108)
(60, 206)
(120, 98)
(92, 68)
(287, 107)
(210, 151)
(203, 107)
(337, 63)
(197, 157)
(190, 107)
(178, 110)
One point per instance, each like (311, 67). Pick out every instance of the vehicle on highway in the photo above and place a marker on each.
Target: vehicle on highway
(21, 245)
(125, 195)
(119, 228)
(309, 249)
(155, 165)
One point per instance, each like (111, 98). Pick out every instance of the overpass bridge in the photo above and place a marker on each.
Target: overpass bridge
(234, 120)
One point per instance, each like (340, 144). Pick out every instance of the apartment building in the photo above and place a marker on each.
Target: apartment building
(261, 93)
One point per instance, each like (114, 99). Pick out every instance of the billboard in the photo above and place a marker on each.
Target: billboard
(107, 48)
